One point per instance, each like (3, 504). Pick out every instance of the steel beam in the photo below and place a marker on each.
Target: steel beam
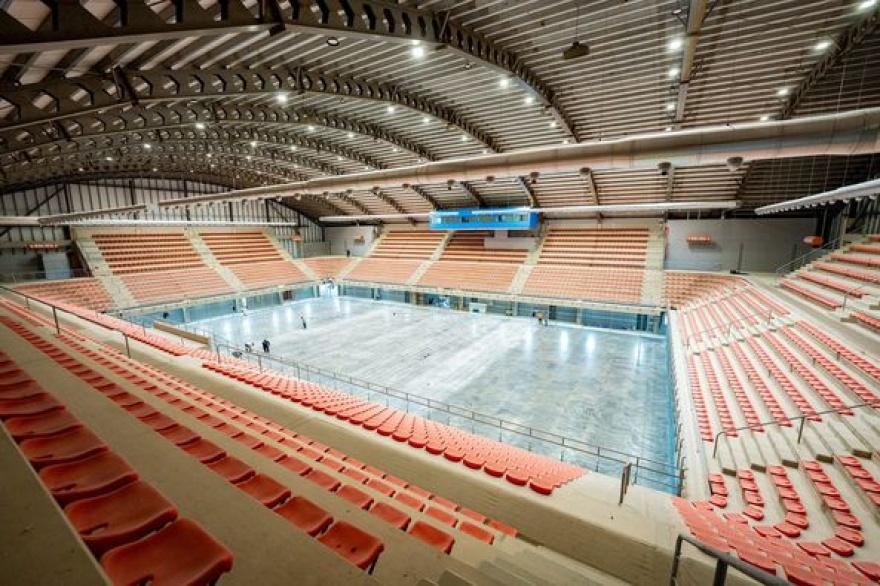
(472, 193)
(146, 124)
(529, 192)
(696, 16)
(849, 39)
(99, 93)
(425, 196)
(70, 25)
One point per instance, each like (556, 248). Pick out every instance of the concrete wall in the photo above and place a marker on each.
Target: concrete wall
(758, 245)
(343, 237)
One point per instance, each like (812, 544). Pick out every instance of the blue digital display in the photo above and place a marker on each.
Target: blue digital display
(485, 219)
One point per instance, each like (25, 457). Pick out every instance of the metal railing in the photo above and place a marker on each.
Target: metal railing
(802, 418)
(768, 315)
(722, 561)
(808, 257)
(645, 471)
(658, 475)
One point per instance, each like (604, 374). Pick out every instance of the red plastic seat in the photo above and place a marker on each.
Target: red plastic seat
(204, 451)
(120, 517)
(476, 532)
(432, 536)
(232, 469)
(265, 489)
(391, 515)
(51, 423)
(180, 435)
(358, 547)
(102, 473)
(869, 569)
(75, 444)
(182, 553)
(355, 496)
(295, 465)
(24, 390)
(305, 514)
(380, 486)
(322, 479)
(499, 526)
(441, 515)
(33, 405)
(410, 500)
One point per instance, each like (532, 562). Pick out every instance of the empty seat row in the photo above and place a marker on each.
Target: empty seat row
(126, 523)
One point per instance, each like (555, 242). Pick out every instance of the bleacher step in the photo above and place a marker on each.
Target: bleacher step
(505, 576)
(853, 444)
(561, 570)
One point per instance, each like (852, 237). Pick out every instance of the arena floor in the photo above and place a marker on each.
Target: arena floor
(606, 388)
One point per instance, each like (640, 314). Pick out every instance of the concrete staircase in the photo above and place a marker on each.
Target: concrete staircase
(306, 269)
(91, 254)
(519, 280)
(347, 269)
(655, 256)
(423, 268)
(438, 252)
(195, 239)
(120, 294)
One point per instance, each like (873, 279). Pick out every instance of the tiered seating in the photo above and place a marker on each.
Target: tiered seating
(519, 467)
(234, 248)
(415, 244)
(386, 497)
(595, 247)
(469, 246)
(471, 276)
(844, 271)
(155, 287)
(326, 266)
(88, 293)
(588, 283)
(865, 365)
(252, 258)
(823, 300)
(857, 259)
(136, 253)
(680, 288)
(125, 522)
(866, 319)
(371, 270)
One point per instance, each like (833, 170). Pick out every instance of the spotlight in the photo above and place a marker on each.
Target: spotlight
(449, 184)
(533, 177)
(576, 51)
(734, 163)
(664, 168)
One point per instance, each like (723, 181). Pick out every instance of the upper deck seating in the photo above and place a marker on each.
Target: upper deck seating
(469, 246)
(380, 270)
(415, 244)
(470, 276)
(327, 266)
(596, 247)
(586, 283)
(155, 287)
(235, 248)
(127, 253)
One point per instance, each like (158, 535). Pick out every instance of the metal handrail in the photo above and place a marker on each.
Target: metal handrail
(808, 257)
(768, 315)
(722, 561)
(601, 453)
(41, 275)
(801, 418)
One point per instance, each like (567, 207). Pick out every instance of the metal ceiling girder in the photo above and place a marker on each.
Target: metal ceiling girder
(61, 164)
(476, 46)
(590, 181)
(472, 193)
(350, 201)
(97, 93)
(527, 189)
(172, 145)
(696, 17)
(157, 136)
(389, 200)
(850, 38)
(72, 26)
(146, 121)
(424, 195)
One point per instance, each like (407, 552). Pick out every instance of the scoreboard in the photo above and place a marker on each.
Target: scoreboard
(485, 219)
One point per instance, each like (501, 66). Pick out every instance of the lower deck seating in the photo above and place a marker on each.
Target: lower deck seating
(519, 467)
(87, 292)
(868, 320)
(396, 272)
(469, 276)
(327, 266)
(268, 274)
(161, 286)
(585, 283)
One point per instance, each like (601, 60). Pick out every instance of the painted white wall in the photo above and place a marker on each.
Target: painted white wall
(342, 237)
(765, 243)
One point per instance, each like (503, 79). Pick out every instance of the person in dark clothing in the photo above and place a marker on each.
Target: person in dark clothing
(303, 318)
(347, 252)
(266, 346)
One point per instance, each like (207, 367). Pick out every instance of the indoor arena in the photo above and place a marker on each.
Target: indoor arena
(440, 292)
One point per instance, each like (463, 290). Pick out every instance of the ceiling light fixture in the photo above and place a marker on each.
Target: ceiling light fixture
(200, 125)
(782, 92)
(417, 52)
(867, 4)
(425, 120)
(670, 106)
(148, 146)
(765, 118)
(675, 45)
(253, 144)
(553, 124)
(311, 128)
(529, 100)
(674, 71)
(576, 50)
(281, 98)
(504, 82)
(823, 44)
(332, 41)
(390, 109)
